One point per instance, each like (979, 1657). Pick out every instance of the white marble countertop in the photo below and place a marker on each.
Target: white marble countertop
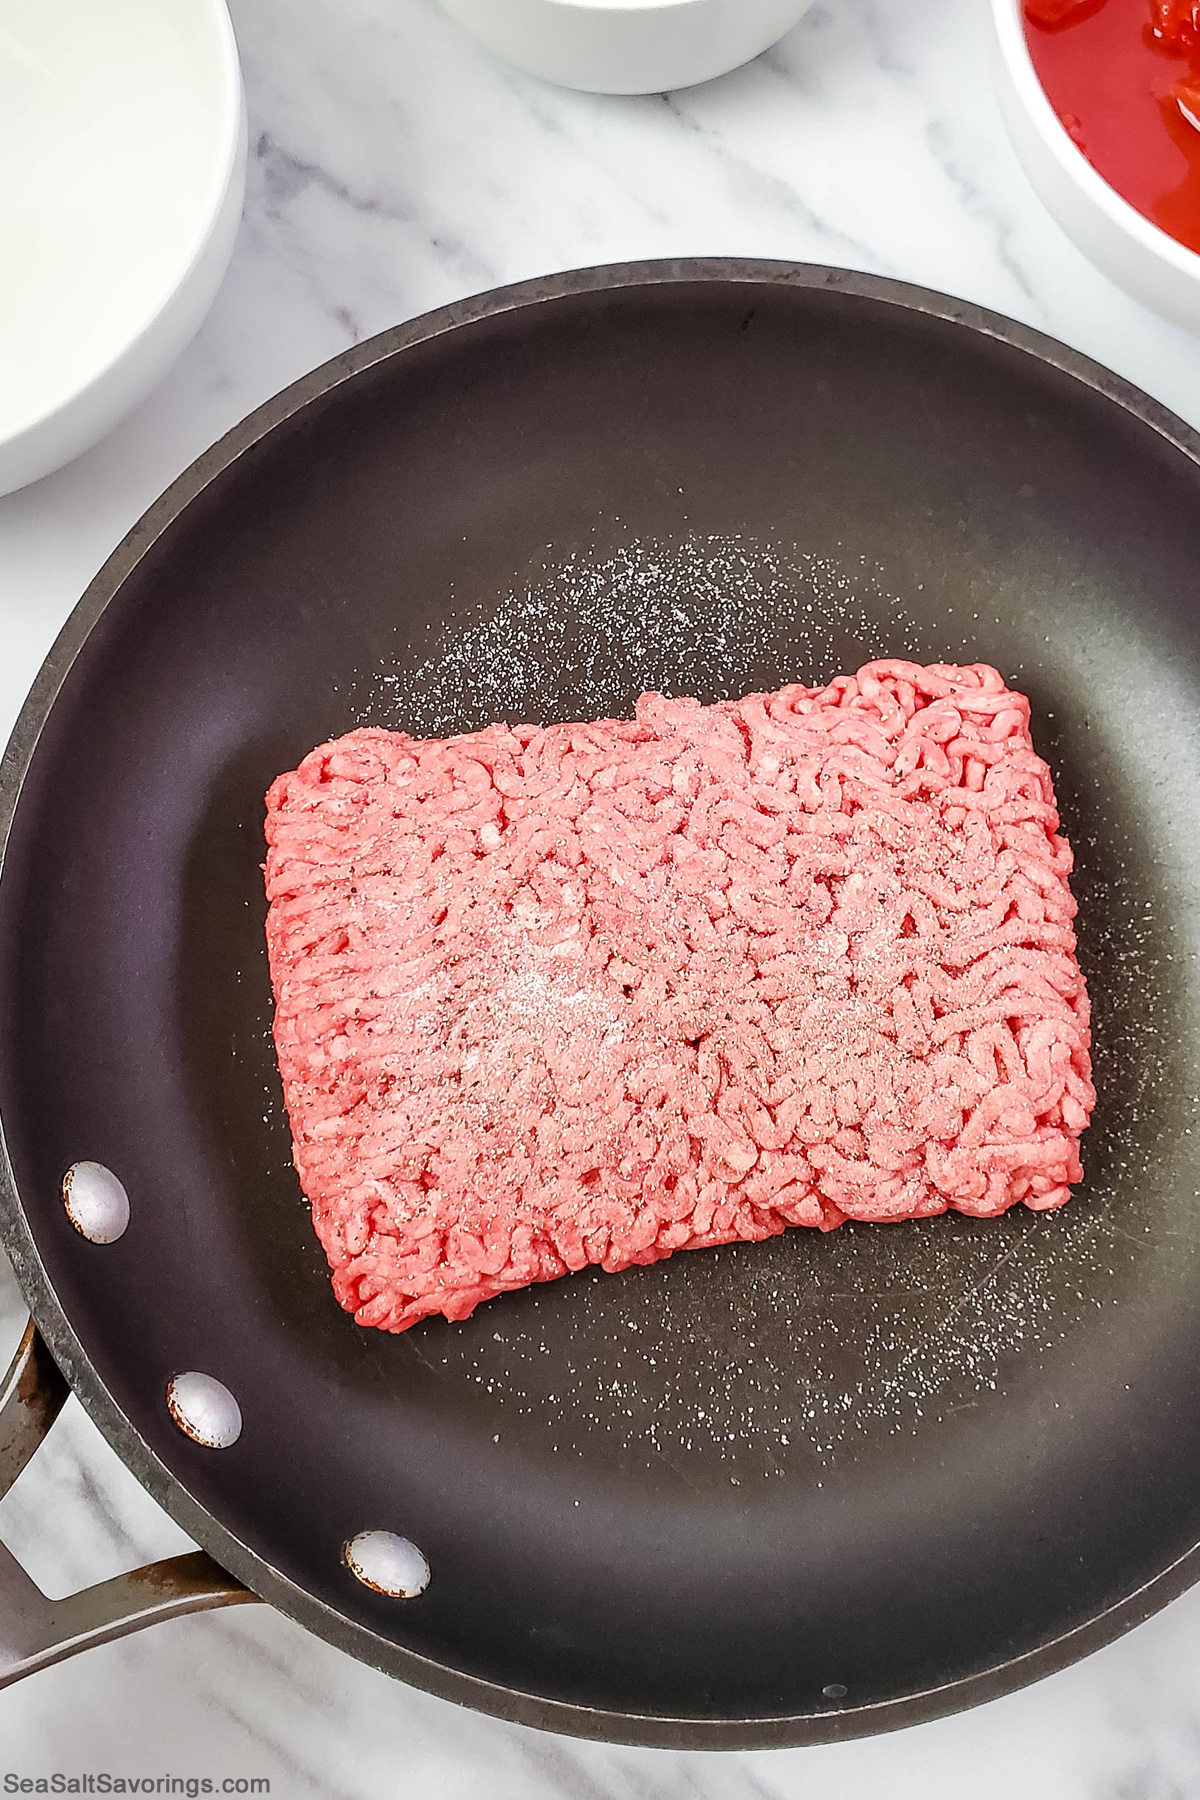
(396, 167)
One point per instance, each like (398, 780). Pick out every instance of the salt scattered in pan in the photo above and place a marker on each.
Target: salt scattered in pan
(716, 617)
(801, 1349)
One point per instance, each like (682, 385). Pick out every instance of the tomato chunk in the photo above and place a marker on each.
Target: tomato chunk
(1176, 24)
(1057, 12)
(1186, 95)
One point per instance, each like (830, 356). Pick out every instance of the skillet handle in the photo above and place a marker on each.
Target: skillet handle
(36, 1631)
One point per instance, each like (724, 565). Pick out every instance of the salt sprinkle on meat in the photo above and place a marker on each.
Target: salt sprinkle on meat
(594, 993)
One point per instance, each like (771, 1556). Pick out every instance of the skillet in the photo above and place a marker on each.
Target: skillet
(767, 1494)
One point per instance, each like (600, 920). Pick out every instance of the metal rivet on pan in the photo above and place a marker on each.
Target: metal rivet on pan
(836, 1690)
(96, 1202)
(205, 1409)
(387, 1563)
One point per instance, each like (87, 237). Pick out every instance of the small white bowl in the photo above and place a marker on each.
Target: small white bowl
(123, 145)
(628, 46)
(1126, 247)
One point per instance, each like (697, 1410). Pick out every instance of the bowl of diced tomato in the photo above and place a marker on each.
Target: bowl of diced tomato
(1102, 99)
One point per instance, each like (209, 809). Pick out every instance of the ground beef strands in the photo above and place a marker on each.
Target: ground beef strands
(601, 992)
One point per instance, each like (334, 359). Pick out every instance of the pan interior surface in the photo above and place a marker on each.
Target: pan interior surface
(792, 1481)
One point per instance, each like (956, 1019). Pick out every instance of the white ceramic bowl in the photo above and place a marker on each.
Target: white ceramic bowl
(628, 46)
(1126, 247)
(123, 146)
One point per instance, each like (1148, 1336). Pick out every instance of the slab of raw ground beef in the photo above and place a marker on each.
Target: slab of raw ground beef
(596, 993)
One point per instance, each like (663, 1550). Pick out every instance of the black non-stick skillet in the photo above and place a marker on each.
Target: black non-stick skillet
(763, 1495)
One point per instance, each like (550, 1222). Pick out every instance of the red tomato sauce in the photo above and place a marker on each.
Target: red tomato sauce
(1124, 76)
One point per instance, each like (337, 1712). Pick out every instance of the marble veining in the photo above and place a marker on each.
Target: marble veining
(396, 167)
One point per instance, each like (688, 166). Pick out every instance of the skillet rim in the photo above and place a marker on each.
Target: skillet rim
(825, 1725)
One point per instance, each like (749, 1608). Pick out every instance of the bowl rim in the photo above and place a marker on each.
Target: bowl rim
(1014, 48)
(617, 7)
(228, 138)
(650, 9)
